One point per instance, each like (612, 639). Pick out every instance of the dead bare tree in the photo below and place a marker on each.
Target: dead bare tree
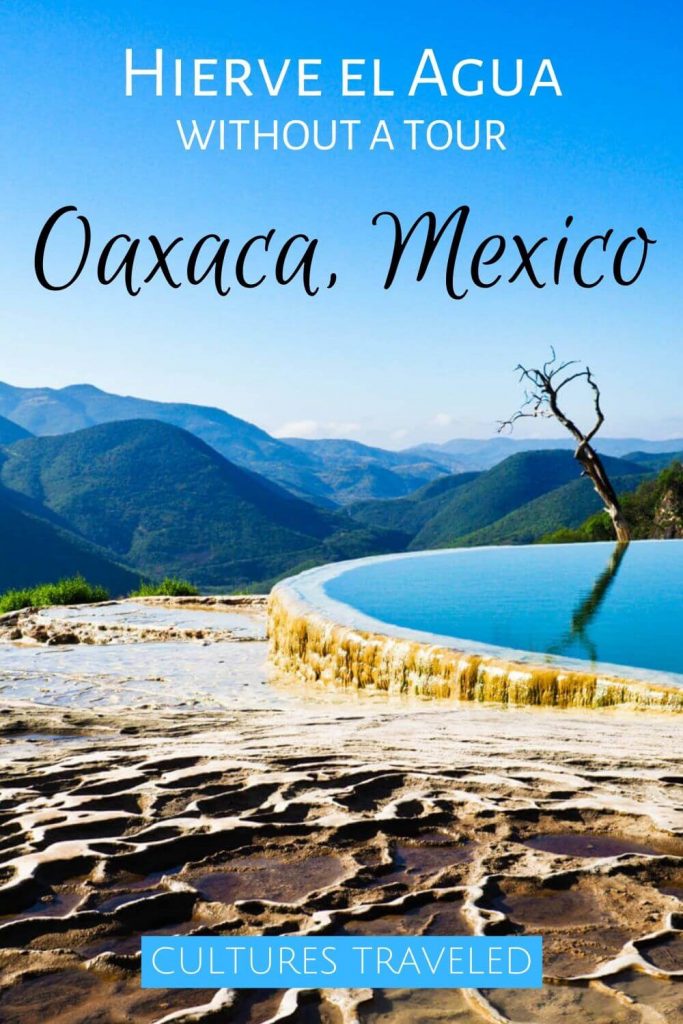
(541, 398)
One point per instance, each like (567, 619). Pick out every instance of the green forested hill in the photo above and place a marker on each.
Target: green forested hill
(566, 506)
(11, 432)
(162, 501)
(520, 500)
(34, 550)
(328, 472)
(497, 492)
(655, 461)
(479, 454)
(410, 514)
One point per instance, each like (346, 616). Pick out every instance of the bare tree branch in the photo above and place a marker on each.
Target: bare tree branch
(541, 400)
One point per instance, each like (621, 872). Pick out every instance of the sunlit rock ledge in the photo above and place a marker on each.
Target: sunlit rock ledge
(307, 645)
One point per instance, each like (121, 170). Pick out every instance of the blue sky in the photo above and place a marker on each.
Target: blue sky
(387, 367)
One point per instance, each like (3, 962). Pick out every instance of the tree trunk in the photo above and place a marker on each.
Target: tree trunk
(621, 527)
(593, 467)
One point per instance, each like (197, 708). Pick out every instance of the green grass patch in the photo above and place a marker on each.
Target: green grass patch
(74, 590)
(170, 586)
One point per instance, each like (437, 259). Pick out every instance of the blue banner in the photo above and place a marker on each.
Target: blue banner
(371, 961)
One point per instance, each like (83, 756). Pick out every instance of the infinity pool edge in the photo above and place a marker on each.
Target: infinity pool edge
(307, 644)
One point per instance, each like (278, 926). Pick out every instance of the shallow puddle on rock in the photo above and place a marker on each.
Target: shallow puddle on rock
(119, 899)
(74, 996)
(59, 905)
(67, 992)
(535, 907)
(438, 917)
(167, 674)
(661, 994)
(594, 844)
(419, 861)
(671, 883)
(417, 1006)
(672, 890)
(413, 863)
(581, 927)
(133, 882)
(269, 878)
(667, 953)
(553, 1004)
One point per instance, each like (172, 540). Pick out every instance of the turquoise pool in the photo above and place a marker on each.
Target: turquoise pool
(593, 602)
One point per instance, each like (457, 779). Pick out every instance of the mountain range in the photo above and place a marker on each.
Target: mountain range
(472, 453)
(329, 473)
(517, 501)
(136, 496)
(161, 500)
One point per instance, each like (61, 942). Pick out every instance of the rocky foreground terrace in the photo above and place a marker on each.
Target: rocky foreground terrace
(155, 780)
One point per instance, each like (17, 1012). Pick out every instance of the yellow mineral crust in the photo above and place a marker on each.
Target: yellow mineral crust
(303, 644)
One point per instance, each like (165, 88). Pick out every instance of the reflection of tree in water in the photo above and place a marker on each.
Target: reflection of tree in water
(587, 608)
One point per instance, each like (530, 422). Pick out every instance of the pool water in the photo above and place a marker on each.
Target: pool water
(600, 603)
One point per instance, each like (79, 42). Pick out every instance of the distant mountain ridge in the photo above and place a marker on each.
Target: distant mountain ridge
(478, 454)
(329, 472)
(655, 460)
(328, 475)
(354, 471)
